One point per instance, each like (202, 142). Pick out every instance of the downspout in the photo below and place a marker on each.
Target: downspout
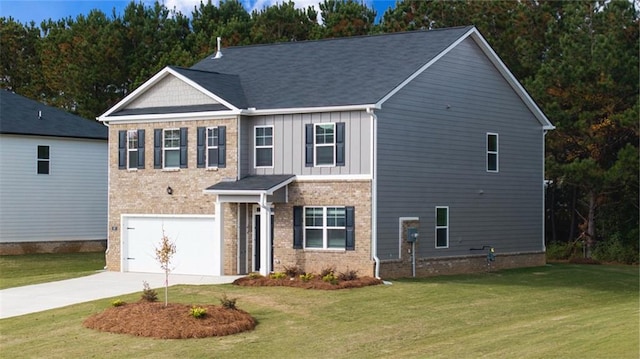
(106, 252)
(544, 191)
(374, 191)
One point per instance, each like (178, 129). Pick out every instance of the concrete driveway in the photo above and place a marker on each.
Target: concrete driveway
(40, 297)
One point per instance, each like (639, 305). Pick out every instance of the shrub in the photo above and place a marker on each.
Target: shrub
(614, 250)
(148, 294)
(229, 303)
(559, 251)
(255, 275)
(293, 271)
(278, 275)
(326, 271)
(306, 277)
(197, 312)
(330, 278)
(348, 275)
(117, 303)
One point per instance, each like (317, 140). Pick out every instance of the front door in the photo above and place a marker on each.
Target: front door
(256, 240)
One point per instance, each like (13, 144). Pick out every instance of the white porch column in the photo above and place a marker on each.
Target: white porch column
(265, 236)
(218, 239)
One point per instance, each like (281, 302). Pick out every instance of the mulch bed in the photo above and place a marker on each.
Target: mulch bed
(154, 319)
(314, 283)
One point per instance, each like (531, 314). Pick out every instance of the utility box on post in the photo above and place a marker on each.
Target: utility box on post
(412, 235)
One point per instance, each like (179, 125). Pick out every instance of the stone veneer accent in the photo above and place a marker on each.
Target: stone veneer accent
(427, 267)
(143, 191)
(74, 246)
(355, 193)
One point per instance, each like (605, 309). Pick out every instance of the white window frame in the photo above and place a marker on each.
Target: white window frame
(325, 228)
(211, 147)
(166, 149)
(316, 145)
(493, 153)
(437, 227)
(256, 147)
(43, 160)
(130, 134)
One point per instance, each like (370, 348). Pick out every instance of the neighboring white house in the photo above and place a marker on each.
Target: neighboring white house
(53, 179)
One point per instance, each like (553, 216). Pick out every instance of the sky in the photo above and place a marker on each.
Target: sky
(25, 11)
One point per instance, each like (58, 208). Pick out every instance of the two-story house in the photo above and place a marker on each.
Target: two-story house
(322, 154)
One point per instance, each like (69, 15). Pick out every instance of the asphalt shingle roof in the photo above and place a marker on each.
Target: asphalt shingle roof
(20, 115)
(251, 183)
(332, 72)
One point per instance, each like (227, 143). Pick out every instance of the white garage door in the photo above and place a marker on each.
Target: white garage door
(192, 235)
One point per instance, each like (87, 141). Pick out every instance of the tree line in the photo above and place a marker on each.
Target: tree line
(578, 59)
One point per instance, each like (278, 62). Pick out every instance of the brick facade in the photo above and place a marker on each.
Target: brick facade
(76, 246)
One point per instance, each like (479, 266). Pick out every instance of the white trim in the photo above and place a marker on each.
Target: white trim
(164, 149)
(153, 81)
(436, 227)
(129, 150)
(400, 221)
(325, 228)
(170, 117)
(207, 147)
(496, 152)
(297, 110)
(255, 145)
(359, 177)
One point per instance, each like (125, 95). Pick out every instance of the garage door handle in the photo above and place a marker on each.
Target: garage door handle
(131, 228)
(129, 258)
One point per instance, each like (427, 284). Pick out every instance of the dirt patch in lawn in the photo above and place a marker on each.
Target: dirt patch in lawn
(174, 321)
(314, 283)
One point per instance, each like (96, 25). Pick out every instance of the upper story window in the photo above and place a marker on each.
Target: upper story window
(212, 146)
(130, 149)
(325, 144)
(492, 152)
(442, 227)
(264, 146)
(324, 227)
(170, 148)
(44, 160)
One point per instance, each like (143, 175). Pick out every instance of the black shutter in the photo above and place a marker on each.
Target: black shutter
(297, 227)
(340, 144)
(350, 228)
(122, 150)
(140, 148)
(183, 147)
(157, 148)
(308, 143)
(222, 146)
(202, 138)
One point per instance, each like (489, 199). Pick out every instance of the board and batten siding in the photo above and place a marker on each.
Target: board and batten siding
(68, 204)
(432, 152)
(289, 143)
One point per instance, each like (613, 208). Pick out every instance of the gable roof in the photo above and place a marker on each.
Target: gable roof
(22, 116)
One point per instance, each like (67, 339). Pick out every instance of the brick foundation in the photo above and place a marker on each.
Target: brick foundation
(17, 248)
(427, 267)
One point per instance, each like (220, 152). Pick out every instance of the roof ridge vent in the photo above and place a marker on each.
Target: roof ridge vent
(219, 52)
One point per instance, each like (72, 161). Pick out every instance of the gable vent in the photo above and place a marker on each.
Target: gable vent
(219, 52)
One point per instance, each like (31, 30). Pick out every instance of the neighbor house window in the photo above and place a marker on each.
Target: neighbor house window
(264, 146)
(442, 227)
(171, 148)
(325, 144)
(492, 152)
(43, 160)
(212, 146)
(324, 227)
(132, 149)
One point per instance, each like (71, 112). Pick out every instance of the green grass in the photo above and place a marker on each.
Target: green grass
(29, 269)
(556, 311)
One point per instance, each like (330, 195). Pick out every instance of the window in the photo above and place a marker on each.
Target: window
(264, 146)
(171, 148)
(492, 152)
(211, 150)
(442, 227)
(323, 227)
(132, 149)
(212, 147)
(43, 160)
(325, 144)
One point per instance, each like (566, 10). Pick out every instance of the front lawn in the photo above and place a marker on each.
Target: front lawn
(555, 311)
(29, 269)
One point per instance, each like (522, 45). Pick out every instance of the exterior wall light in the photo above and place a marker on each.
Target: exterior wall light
(169, 190)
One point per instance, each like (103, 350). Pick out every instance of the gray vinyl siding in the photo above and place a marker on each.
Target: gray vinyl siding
(289, 143)
(70, 203)
(432, 152)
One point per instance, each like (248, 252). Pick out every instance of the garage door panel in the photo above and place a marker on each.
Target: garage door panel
(193, 237)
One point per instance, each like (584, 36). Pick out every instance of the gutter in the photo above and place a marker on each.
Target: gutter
(374, 192)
